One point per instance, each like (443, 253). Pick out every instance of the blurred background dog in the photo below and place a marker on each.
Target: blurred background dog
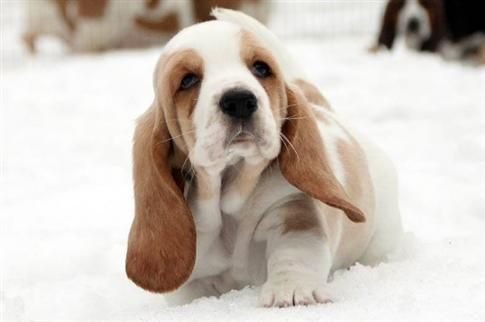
(454, 28)
(96, 25)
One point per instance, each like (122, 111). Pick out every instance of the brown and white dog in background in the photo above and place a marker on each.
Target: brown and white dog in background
(453, 28)
(97, 25)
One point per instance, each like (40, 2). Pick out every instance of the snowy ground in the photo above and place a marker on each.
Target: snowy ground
(66, 197)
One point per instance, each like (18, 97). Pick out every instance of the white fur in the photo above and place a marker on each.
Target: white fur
(244, 244)
(413, 9)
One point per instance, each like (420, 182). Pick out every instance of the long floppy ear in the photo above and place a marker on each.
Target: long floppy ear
(389, 23)
(305, 165)
(436, 15)
(161, 245)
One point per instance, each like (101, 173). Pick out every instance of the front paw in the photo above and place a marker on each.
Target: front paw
(290, 292)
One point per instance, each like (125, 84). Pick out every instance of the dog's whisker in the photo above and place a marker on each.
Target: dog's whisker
(284, 142)
(293, 118)
(290, 144)
(175, 137)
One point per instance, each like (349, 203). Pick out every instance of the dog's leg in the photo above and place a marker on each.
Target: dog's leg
(298, 257)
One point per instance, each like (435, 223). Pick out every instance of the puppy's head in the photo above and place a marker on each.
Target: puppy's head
(220, 97)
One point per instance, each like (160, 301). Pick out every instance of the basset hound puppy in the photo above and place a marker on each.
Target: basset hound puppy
(243, 175)
(453, 28)
(96, 25)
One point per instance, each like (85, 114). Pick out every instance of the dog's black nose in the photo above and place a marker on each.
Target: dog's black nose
(238, 103)
(413, 25)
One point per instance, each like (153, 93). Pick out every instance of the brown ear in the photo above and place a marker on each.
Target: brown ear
(436, 14)
(304, 164)
(389, 23)
(161, 245)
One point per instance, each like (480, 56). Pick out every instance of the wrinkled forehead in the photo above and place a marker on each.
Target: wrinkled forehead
(216, 42)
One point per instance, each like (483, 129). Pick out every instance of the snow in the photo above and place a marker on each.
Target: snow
(66, 201)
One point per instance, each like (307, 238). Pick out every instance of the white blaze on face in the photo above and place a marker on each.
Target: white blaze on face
(413, 10)
(219, 45)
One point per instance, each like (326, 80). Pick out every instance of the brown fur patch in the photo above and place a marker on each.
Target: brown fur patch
(179, 104)
(91, 8)
(354, 166)
(252, 51)
(301, 215)
(358, 180)
(152, 4)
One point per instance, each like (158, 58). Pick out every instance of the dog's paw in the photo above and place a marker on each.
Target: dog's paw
(288, 292)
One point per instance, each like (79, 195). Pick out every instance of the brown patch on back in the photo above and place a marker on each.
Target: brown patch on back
(312, 93)
(358, 182)
(168, 24)
(300, 215)
(354, 166)
(91, 8)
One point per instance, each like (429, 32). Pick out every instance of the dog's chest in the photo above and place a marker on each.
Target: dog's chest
(242, 260)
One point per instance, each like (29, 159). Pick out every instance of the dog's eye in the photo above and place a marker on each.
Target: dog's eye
(188, 81)
(261, 69)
